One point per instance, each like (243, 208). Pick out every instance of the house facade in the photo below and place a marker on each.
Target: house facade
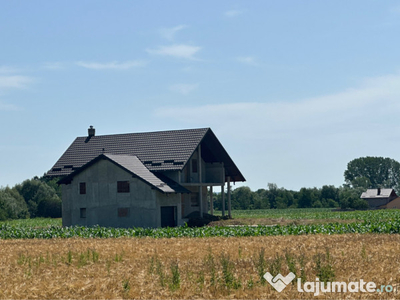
(379, 198)
(151, 179)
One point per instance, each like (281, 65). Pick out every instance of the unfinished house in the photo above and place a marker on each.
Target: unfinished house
(150, 179)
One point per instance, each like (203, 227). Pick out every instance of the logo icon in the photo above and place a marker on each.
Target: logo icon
(279, 282)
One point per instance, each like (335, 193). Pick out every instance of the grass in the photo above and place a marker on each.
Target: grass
(262, 217)
(209, 268)
(33, 223)
(290, 222)
(315, 214)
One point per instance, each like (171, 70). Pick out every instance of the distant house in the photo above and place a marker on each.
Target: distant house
(379, 198)
(151, 179)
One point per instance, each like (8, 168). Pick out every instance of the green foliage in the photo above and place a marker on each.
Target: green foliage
(176, 277)
(227, 272)
(42, 199)
(350, 198)
(370, 222)
(211, 267)
(12, 205)
(261, 265)
(373, 172)
(243, 198)
(324, 267)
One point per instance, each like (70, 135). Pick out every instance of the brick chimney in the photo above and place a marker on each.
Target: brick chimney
(91, 131)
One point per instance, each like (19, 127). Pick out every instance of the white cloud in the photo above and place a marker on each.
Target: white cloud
(248, 60)
(178, 51)
(183, 89)
(14, 81)
(54, 65)
(8, 70)
(8, 107)
(169, 33)
(114, 65)
(233, 13)
(307, 142)
(395, 9)
(370, 97)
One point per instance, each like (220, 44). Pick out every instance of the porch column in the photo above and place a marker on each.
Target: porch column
(223, 199)
(200, 181)
(229, 197)
(211, 201)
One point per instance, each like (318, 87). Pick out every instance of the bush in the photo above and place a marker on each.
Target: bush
(12, 205)
(42, 200)
(50, 208)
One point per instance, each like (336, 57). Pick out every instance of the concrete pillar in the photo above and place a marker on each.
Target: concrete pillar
(200, 181)
(223, 199)
(211, 201)
(229, 197)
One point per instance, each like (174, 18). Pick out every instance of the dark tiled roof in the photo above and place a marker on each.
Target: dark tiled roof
(134, 166)
(158, 151)
(162, 150)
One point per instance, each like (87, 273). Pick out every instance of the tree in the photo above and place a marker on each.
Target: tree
(305, 198)
(12, 205)
(35, 192)
(373, 172)
(350, 198)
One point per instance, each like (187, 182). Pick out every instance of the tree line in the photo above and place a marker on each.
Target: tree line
(41, 197)
(275, 197)
(36, 197)
(361, 174)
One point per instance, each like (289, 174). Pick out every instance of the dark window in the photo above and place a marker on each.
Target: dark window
(194, 165)
(123, 212)
(83, 213)
(82, 188)
(123, 186)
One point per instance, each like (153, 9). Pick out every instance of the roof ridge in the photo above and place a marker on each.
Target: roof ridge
(149, 132)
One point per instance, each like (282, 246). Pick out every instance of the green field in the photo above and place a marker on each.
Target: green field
(378, 221)
(316, 214)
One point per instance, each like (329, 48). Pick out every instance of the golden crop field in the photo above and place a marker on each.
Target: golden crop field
(187, 268)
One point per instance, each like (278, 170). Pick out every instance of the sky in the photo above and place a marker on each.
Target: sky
(294, 90)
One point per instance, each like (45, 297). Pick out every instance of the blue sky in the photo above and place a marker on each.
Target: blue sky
(294, 90)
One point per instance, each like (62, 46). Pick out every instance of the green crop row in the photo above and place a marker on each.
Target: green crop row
(292, 214)
(13, 232)
(318, 214)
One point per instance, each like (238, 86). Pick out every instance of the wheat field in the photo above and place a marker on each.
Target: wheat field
(194, 268)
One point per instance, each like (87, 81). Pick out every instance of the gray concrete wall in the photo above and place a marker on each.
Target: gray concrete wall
(187, 200)
(102, 200)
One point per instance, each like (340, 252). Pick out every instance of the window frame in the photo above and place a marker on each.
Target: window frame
(123, 212)
(82, 188)
(123, 187)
